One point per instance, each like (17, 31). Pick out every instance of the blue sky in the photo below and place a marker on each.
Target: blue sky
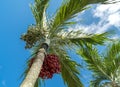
(15, 16)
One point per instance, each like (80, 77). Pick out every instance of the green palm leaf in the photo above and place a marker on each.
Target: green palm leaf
(38, 9)
(113, 54)
(37, 83)
(105, 67)
(79, 39)
(90, 39)
(94, 60)
(113, 51)
(68, 10)
(69, 69)
(70, 72)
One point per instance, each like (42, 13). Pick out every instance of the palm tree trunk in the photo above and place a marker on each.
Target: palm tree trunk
(34, 71)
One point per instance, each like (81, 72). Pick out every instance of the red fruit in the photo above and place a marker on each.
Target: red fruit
(51, 65)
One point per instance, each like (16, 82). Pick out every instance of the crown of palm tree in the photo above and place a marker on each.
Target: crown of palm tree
(106, 67)
(54, 29)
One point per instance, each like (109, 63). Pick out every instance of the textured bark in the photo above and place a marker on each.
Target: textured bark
(34, 71)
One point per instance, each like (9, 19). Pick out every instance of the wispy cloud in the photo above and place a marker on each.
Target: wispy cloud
(108, 15)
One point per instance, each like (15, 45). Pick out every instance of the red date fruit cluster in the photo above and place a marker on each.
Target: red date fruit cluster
(51, 65)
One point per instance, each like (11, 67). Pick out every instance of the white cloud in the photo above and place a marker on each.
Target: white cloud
(104, 10)
(114, 19)
(109, 16)
(93, 28)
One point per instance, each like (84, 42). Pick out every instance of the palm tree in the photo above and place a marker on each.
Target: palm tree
(106, 67)
(52, 33)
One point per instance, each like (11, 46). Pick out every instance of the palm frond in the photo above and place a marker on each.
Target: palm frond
(113, 50)
(102, 1)
(37, 83)
(95, 64)
(69, 69)
(70, 72)
(118, 76)
(77, 38)
(68, 10)
(38, 10)
(90, 39)
(94, 61)
(112, 59)
(97, 82)
(104, 67)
